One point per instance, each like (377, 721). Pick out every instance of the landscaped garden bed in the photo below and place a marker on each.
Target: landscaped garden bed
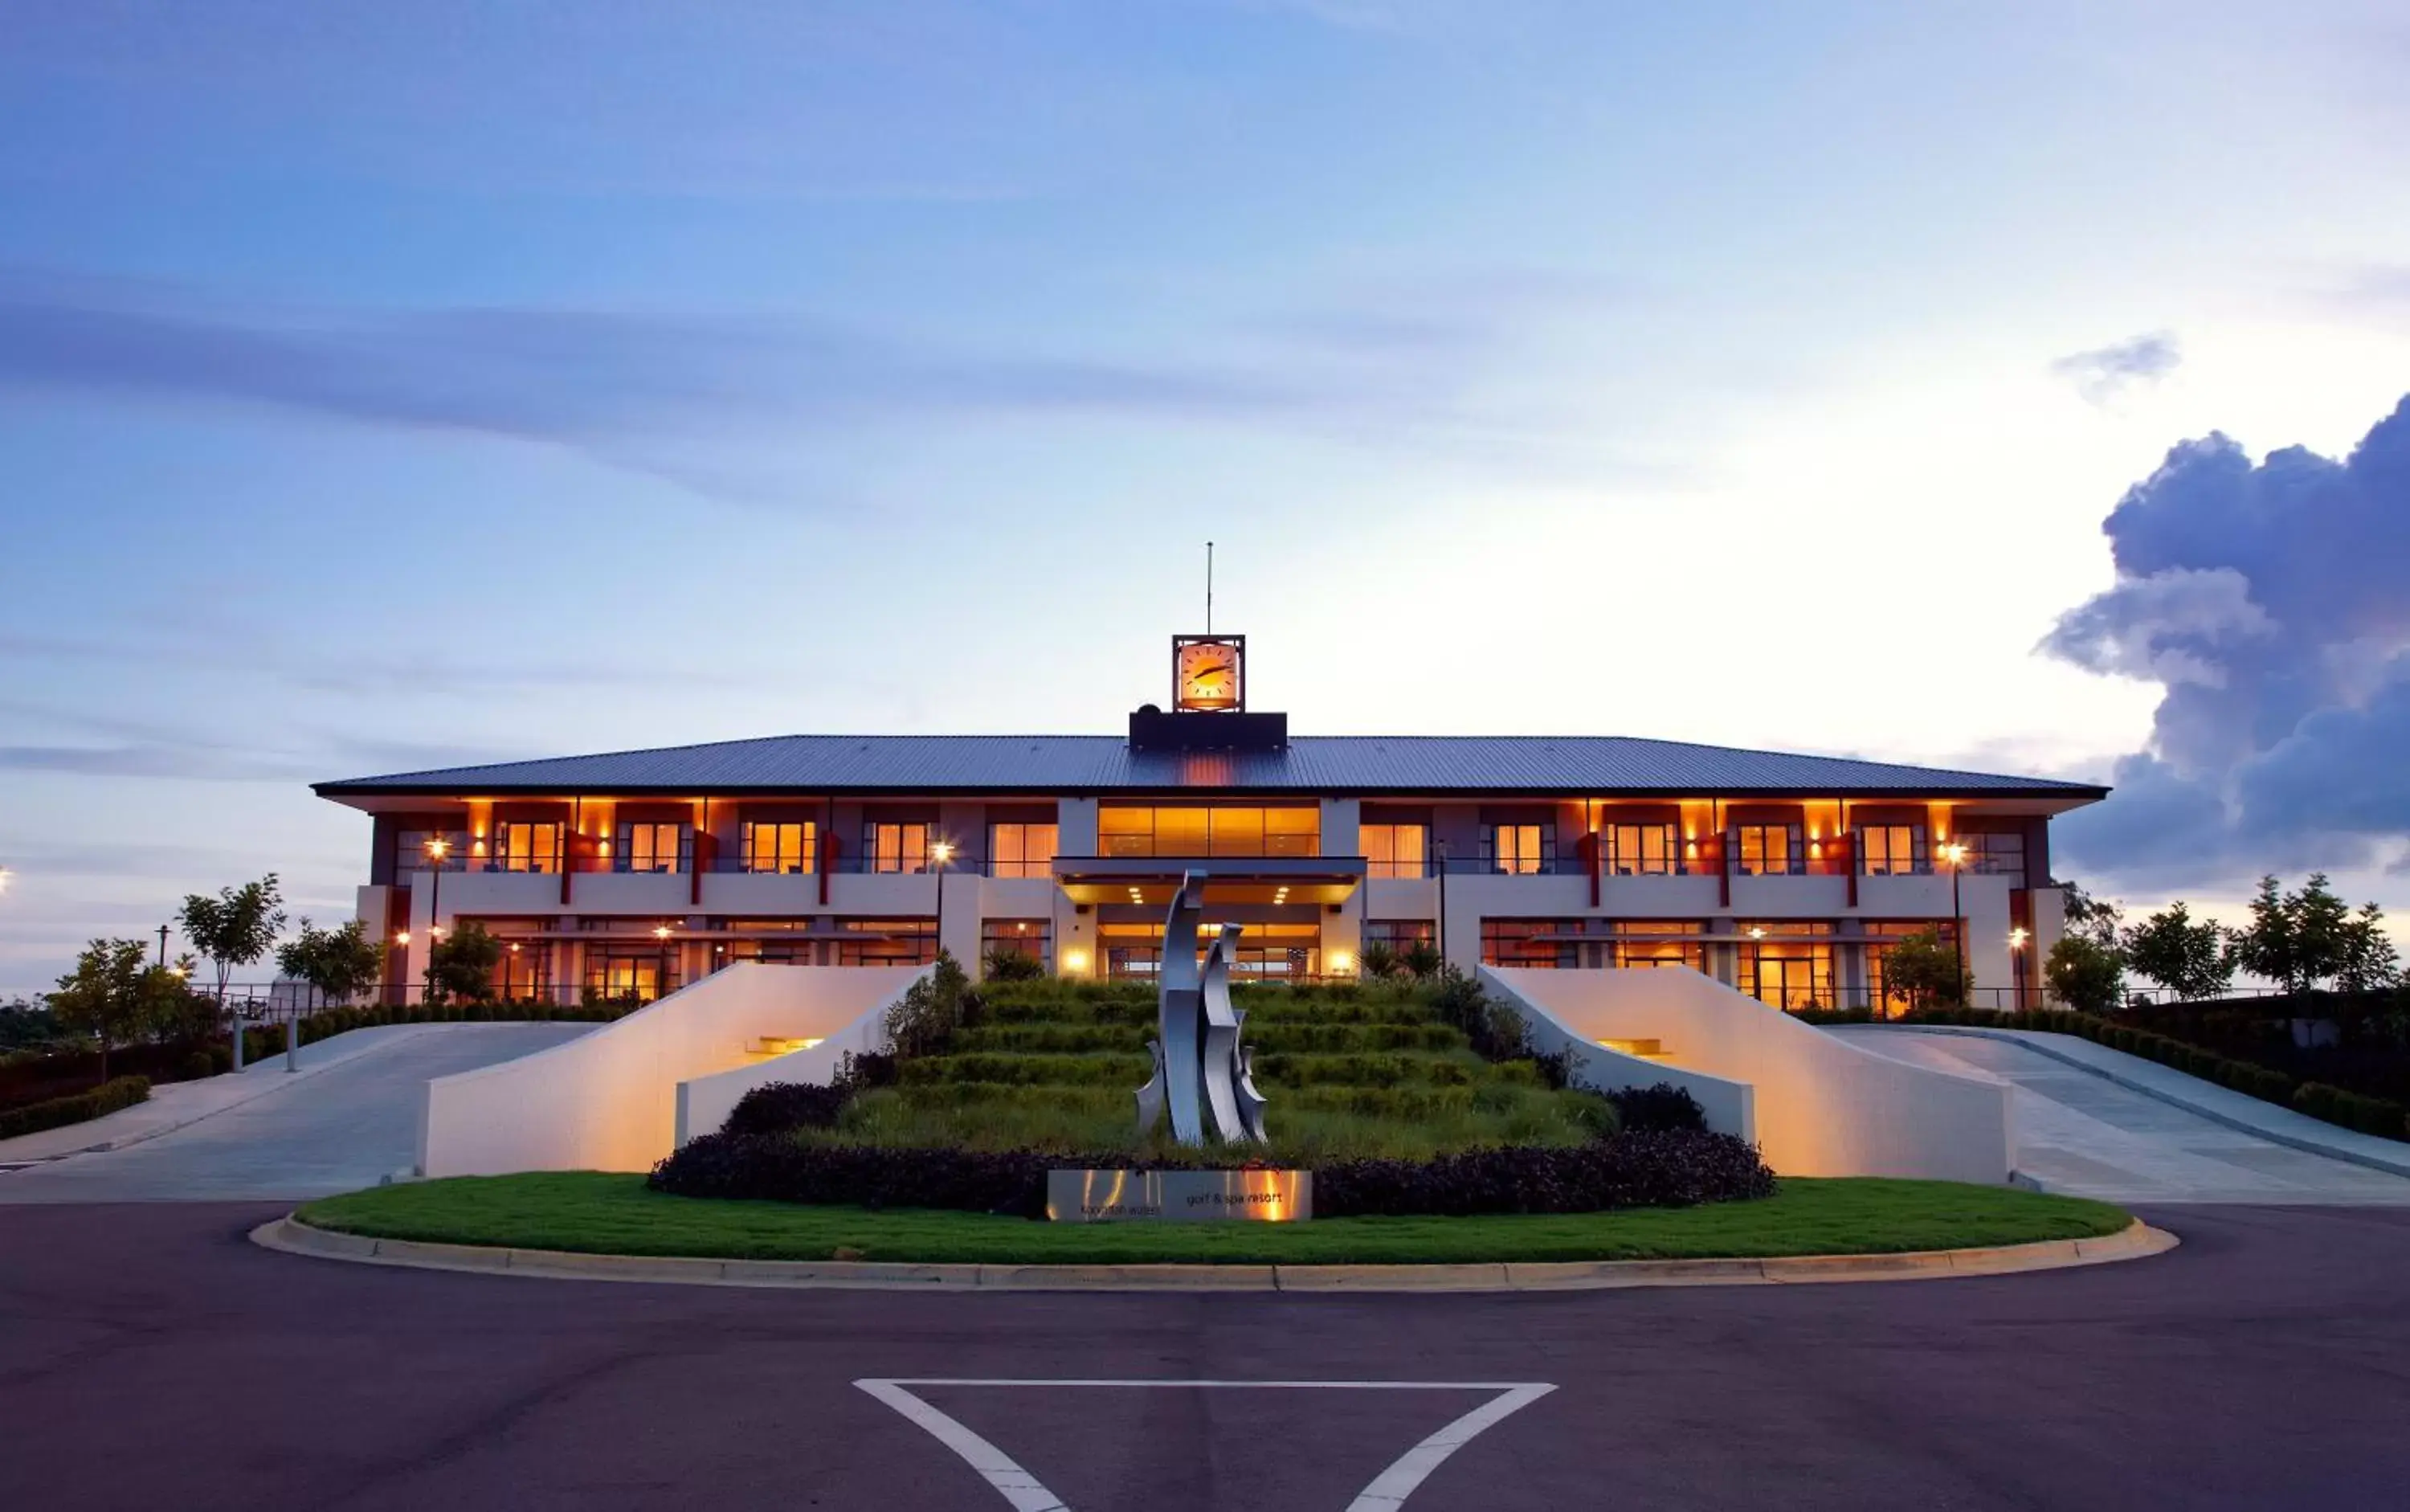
(592, 1212)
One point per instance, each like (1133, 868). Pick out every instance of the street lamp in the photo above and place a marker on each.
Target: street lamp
(940, 851)
(1956, 854)
(437, 847)
(661, 974)
(2018, 974)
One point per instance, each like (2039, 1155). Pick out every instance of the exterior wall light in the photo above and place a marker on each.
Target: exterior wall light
(1341, 963)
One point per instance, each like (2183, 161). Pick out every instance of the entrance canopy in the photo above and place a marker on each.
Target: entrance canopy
(1229, 879)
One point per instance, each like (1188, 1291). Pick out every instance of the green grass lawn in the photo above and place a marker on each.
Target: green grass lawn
(604, 1213)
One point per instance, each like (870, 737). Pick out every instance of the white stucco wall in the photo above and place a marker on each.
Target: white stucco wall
(608, 1101)
(1822, 1107)
(704, 1102)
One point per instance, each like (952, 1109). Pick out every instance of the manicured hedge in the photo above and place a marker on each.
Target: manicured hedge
(776, 1107)
(116, 1093)
(2352, 1109)
(1672, 1167)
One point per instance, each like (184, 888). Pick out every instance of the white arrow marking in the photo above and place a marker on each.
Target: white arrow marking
(1387, 1491)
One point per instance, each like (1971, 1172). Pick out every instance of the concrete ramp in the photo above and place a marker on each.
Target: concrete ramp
(1818, 1106)
(608, 1101)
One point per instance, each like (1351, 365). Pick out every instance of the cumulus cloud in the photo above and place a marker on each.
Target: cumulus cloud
(2266, 600)
(2104, 372)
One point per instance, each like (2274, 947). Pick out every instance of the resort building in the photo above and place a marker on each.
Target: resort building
(1786, 876)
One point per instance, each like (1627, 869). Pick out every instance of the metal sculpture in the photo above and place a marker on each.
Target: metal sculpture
(1202, 1075)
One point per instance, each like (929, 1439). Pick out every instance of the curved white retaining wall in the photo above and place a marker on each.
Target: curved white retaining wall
(1823, 1107)
(704, 1102)
(608, 1101)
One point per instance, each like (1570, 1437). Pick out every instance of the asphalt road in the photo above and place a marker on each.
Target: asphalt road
(152, 1357)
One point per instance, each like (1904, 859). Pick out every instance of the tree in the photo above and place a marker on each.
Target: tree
(2188, 958)
(2095, 919)
(1422, 959)
(341, 964)
(462, 962)
(2297, 939)
(1925, 969)
(2086, 975)
(234, 929)
(115, 995)
(2369, 963)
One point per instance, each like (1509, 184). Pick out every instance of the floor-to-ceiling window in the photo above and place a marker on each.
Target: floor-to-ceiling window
(1640, 849)
(1786, 962)
(1394, 850)
(1189, 830)
(1019, 849)
(779, 846)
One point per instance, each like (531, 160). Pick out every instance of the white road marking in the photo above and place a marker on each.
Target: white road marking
(1387, 1491)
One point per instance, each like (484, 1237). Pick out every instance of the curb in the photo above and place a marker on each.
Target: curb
(290, 1236)
(2027, 1038)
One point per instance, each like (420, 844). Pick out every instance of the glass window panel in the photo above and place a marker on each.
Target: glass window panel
(1180, 832)
(1238, 832)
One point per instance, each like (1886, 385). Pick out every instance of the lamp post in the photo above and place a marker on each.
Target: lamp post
(1439, 850)
(1956, 854)
(2017, 973)
(940, 851)
(662, 970)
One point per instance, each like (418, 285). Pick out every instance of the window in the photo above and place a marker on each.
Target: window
(887, 941)
(524, 973)
(902, 848)
(1645, 943)
(1536, 942)
(519, 847)
(1768, 849)
(1893, 851)
(1787, 973)
(1032, 937)
(1400, 935)
(410, 850)
(630, 973)
(1995, 853)
(1394, 850)
(651, 847)
(1522, 850)
(1641, 851)
(1020, 850)
(780, 847)
(1136, 831)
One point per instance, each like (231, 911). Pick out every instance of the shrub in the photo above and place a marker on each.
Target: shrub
(198, 1064)
(2353, 1110)
(1002, 963)
(780, 1106)
(1659, 1169)
(1654, 1109)
(57, 1112)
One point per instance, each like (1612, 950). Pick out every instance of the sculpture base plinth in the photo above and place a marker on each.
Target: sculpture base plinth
(1178, 1196)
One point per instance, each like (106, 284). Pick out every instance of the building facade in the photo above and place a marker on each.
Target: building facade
(1787, 877)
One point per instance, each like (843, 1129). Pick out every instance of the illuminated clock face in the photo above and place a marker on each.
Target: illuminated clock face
(1208, 676)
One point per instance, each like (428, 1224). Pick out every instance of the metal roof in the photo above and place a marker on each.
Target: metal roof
(1569, 766)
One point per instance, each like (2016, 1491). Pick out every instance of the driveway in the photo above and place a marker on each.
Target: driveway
(2081, 1133)
(2258, 1366)
(348, 1119)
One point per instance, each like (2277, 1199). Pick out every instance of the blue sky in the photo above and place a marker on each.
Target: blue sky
(386, 386)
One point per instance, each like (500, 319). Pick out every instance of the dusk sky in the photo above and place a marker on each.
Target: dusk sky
(384, 388)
